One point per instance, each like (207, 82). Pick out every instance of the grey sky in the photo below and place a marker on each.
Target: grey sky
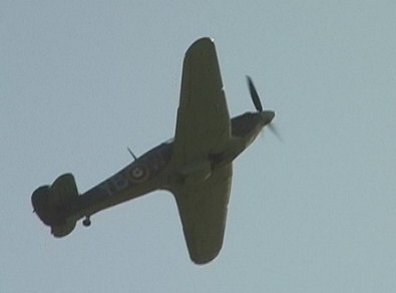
(81, 81)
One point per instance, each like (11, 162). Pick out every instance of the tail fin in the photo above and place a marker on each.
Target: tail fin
(51, 202)
(63, 190)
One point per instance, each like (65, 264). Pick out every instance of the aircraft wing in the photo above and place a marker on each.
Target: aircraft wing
(203, 211)
(203, 122)
(202, 129)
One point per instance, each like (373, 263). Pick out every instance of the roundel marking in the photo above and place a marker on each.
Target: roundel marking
(138, 173)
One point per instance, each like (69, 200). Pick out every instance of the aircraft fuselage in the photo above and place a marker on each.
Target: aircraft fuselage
(153, 170)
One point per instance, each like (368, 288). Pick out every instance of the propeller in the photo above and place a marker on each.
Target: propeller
(275, 131)
(259, 106)
(254, 95)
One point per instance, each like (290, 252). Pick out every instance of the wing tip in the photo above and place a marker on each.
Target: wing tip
(202, 260)
(203, 257)
(203, 40)
(200, 43)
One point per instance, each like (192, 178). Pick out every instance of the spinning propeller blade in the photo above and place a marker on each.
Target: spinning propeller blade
(254, 95)
(259, 107)
(275, 131)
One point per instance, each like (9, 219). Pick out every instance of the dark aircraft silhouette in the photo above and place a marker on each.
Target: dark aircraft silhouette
(196, 166)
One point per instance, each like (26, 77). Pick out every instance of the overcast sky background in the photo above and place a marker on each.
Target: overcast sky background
(82, 80)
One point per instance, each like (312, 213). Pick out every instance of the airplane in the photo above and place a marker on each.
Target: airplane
(195, 166)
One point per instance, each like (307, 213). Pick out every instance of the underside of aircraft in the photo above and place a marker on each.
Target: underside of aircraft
(196, 166)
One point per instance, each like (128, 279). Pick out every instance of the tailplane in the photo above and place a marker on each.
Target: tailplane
(51, 204)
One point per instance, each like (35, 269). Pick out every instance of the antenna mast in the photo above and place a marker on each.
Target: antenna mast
(132, 154)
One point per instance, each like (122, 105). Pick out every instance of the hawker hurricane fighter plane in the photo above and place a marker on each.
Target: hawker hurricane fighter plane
(196, 166)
